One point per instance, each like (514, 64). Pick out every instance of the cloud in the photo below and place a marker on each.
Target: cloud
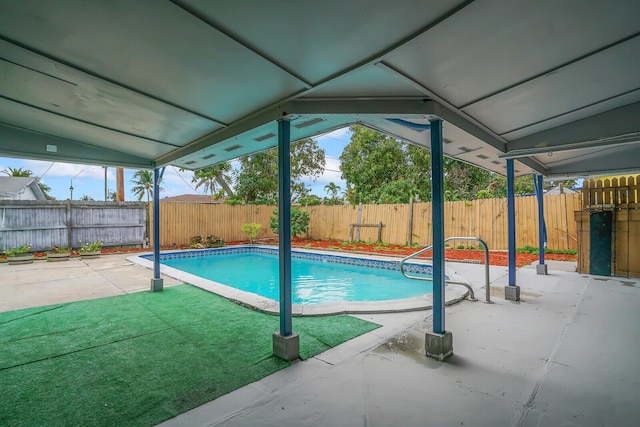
(70, 170)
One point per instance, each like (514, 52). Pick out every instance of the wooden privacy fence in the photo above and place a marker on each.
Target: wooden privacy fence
(43, 224)
(613, 205)
(180, 221)
(403, 223)
(486, 219)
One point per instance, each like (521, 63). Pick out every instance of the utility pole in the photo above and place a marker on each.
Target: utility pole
(120, 184)
(106, 194)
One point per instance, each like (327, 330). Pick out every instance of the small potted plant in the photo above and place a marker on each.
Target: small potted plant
(19, 255)
(90, 250)
(58, 253)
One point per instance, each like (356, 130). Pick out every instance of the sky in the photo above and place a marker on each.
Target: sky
(89, 180)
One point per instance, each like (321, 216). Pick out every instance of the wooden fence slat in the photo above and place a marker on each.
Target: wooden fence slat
(485, 218)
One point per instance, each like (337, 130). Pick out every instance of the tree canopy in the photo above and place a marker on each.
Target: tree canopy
(380, 169)
(256, 181)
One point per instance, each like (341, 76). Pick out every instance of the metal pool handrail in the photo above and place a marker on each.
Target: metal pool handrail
(471, 293)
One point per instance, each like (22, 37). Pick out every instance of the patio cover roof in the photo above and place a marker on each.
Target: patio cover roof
(148, 83)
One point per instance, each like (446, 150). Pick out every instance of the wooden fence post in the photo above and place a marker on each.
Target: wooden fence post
(410, 226)
(359, 222)
(69, 231)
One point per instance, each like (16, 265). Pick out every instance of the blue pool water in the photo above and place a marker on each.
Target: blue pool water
(316, 278)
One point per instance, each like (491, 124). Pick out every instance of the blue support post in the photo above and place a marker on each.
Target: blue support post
(541, 233)
(511, 223)
(437, 203)
(156, 281)
(439, 343)
(284, 225)
(542, 229)
(286, 344)
(511, 292)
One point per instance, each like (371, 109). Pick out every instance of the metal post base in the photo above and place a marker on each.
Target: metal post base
(439, 346)
(512, 293)
(287, 348)
(156, 285)
(542, 269)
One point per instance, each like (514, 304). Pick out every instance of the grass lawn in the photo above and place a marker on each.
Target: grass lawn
(141, 358)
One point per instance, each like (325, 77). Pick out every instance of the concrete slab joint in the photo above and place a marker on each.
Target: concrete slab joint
(439, 346)
(542, 269)
(512, 293)
(287, 348)
(157, 285)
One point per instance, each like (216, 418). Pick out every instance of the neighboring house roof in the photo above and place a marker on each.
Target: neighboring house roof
(20, 188)
(191, 198)
(560, 190)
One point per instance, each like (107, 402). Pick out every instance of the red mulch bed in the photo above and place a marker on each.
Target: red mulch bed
(498, 258)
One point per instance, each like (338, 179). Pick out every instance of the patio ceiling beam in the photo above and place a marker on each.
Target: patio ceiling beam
(454, 114)
(18, 142)
(619, 126)
(616, 162)
(266, 114)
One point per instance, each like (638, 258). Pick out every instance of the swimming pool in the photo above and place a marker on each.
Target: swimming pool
(316, 278)
(322, 283)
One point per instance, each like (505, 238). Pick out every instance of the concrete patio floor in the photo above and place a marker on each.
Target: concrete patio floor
(566, 355)
(43, 283)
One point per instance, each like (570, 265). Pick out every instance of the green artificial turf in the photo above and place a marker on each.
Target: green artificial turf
(141, 358)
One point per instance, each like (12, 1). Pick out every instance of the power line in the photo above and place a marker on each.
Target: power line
(183, 180)
(45, 172)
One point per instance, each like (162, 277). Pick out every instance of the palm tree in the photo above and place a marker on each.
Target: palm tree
(27, 173)
(212, 176)
(143, 180)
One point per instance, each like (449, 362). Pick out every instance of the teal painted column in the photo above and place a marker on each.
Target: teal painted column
(511, 223)
(437, 207)
(284, 225)
(157, 284)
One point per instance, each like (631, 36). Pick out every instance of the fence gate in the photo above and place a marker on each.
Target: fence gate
(609, 227)
(600, 228)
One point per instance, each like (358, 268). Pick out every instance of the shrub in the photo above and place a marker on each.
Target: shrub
(202, 242)
(58, 249)
(251, 230)
(299, 221)
(20, 250)
(91, 247)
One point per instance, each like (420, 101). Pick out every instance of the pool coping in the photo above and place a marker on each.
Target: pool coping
(453, 294)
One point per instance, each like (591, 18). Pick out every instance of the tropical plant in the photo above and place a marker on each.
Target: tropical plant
(299, 221)
(86, 198)
(143, 184)
(91, 247)
(332, 190)
(19, 250)
(213, 176)
(251, 229)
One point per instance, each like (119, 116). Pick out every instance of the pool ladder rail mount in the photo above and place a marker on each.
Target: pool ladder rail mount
(454, 282)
